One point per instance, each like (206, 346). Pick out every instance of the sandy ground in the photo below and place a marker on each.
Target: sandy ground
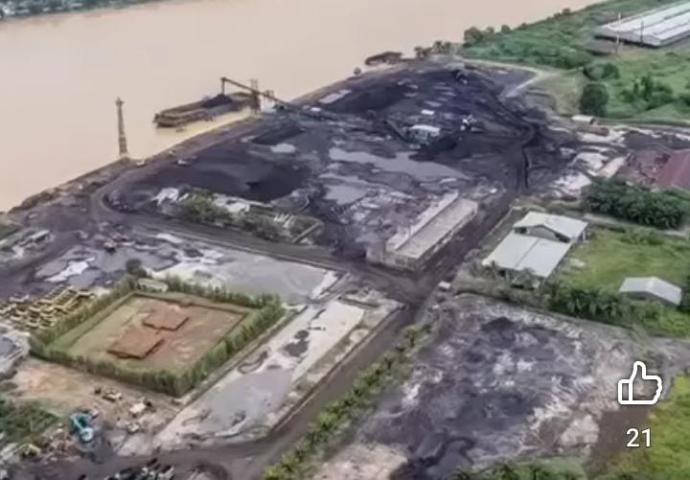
(64, 390)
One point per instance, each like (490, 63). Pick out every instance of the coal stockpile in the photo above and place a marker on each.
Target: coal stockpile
(373, 98)
(222, 172)
(465, 398)
(216, 101)
(278, 134)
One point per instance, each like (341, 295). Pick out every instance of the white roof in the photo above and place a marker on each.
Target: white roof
(566, 226)
(655, 27)
(523, 252)
(655, 286)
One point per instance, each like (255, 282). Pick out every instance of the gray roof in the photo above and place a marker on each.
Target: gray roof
(655, 27)
(653, 286)
(432, 226)
(568, 227)
(523, 252)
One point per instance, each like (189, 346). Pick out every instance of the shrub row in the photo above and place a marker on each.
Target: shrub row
(636, 204)
(172, 383)
(601, 306)
(339, 414)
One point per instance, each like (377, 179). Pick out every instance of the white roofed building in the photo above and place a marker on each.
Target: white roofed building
(537, 244)
(655, 28)
(652, 288)
(524, 253)
(551, 227)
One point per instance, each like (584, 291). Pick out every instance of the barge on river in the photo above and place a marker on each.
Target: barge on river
(205, 109)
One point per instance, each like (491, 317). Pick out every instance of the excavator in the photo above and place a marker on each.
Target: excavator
(80, 424)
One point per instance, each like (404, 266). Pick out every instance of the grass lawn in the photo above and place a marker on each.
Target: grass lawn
(669, 456)
(608, 259)
(670, 65)
(561, 41)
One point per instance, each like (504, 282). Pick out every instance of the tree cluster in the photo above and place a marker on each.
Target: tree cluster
(199, 208)
(19, 422)
(636, 204)
(602, 306)
(594, 99)
(648, 93)
(601, 71)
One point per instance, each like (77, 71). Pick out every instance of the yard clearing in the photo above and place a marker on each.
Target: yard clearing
(608, 257)
(173, 350)
(178, 348)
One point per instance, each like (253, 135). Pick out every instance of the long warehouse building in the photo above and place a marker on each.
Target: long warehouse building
(654, 28)
(412, 246)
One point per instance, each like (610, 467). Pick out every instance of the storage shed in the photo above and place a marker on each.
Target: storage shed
(652, 288)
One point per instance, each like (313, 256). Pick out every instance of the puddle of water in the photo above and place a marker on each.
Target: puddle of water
(400, 164)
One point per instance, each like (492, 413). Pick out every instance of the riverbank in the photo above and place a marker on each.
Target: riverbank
(65, 70)
(12, 9)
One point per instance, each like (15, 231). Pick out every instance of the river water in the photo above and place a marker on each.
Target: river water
(60, 74)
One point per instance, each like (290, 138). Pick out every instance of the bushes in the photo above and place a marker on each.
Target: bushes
(590, 303)
(601, 71)
(647, 93)
(268, 310)
(594, 99)
(603, 306)
(20, 422)
(339, 414)
(636, 204)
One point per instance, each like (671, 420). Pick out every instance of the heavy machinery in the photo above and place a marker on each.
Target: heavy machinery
(80, 425)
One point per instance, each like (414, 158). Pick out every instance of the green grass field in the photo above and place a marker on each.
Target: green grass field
(669, 456)
(562, 42)
(609, 257)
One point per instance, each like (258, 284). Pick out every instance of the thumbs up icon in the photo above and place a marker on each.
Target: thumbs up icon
(626, 393)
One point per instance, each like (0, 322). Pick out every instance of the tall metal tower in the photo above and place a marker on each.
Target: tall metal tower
(121, 136)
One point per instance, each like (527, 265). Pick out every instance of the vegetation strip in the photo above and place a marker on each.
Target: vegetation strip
(664, 209)
(335, 419)
(632, 83)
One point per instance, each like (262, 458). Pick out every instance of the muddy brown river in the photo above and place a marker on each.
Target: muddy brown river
(60, 74)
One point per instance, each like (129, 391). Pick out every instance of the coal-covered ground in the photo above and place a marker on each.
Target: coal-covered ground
(341, 157)
(496, 383)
